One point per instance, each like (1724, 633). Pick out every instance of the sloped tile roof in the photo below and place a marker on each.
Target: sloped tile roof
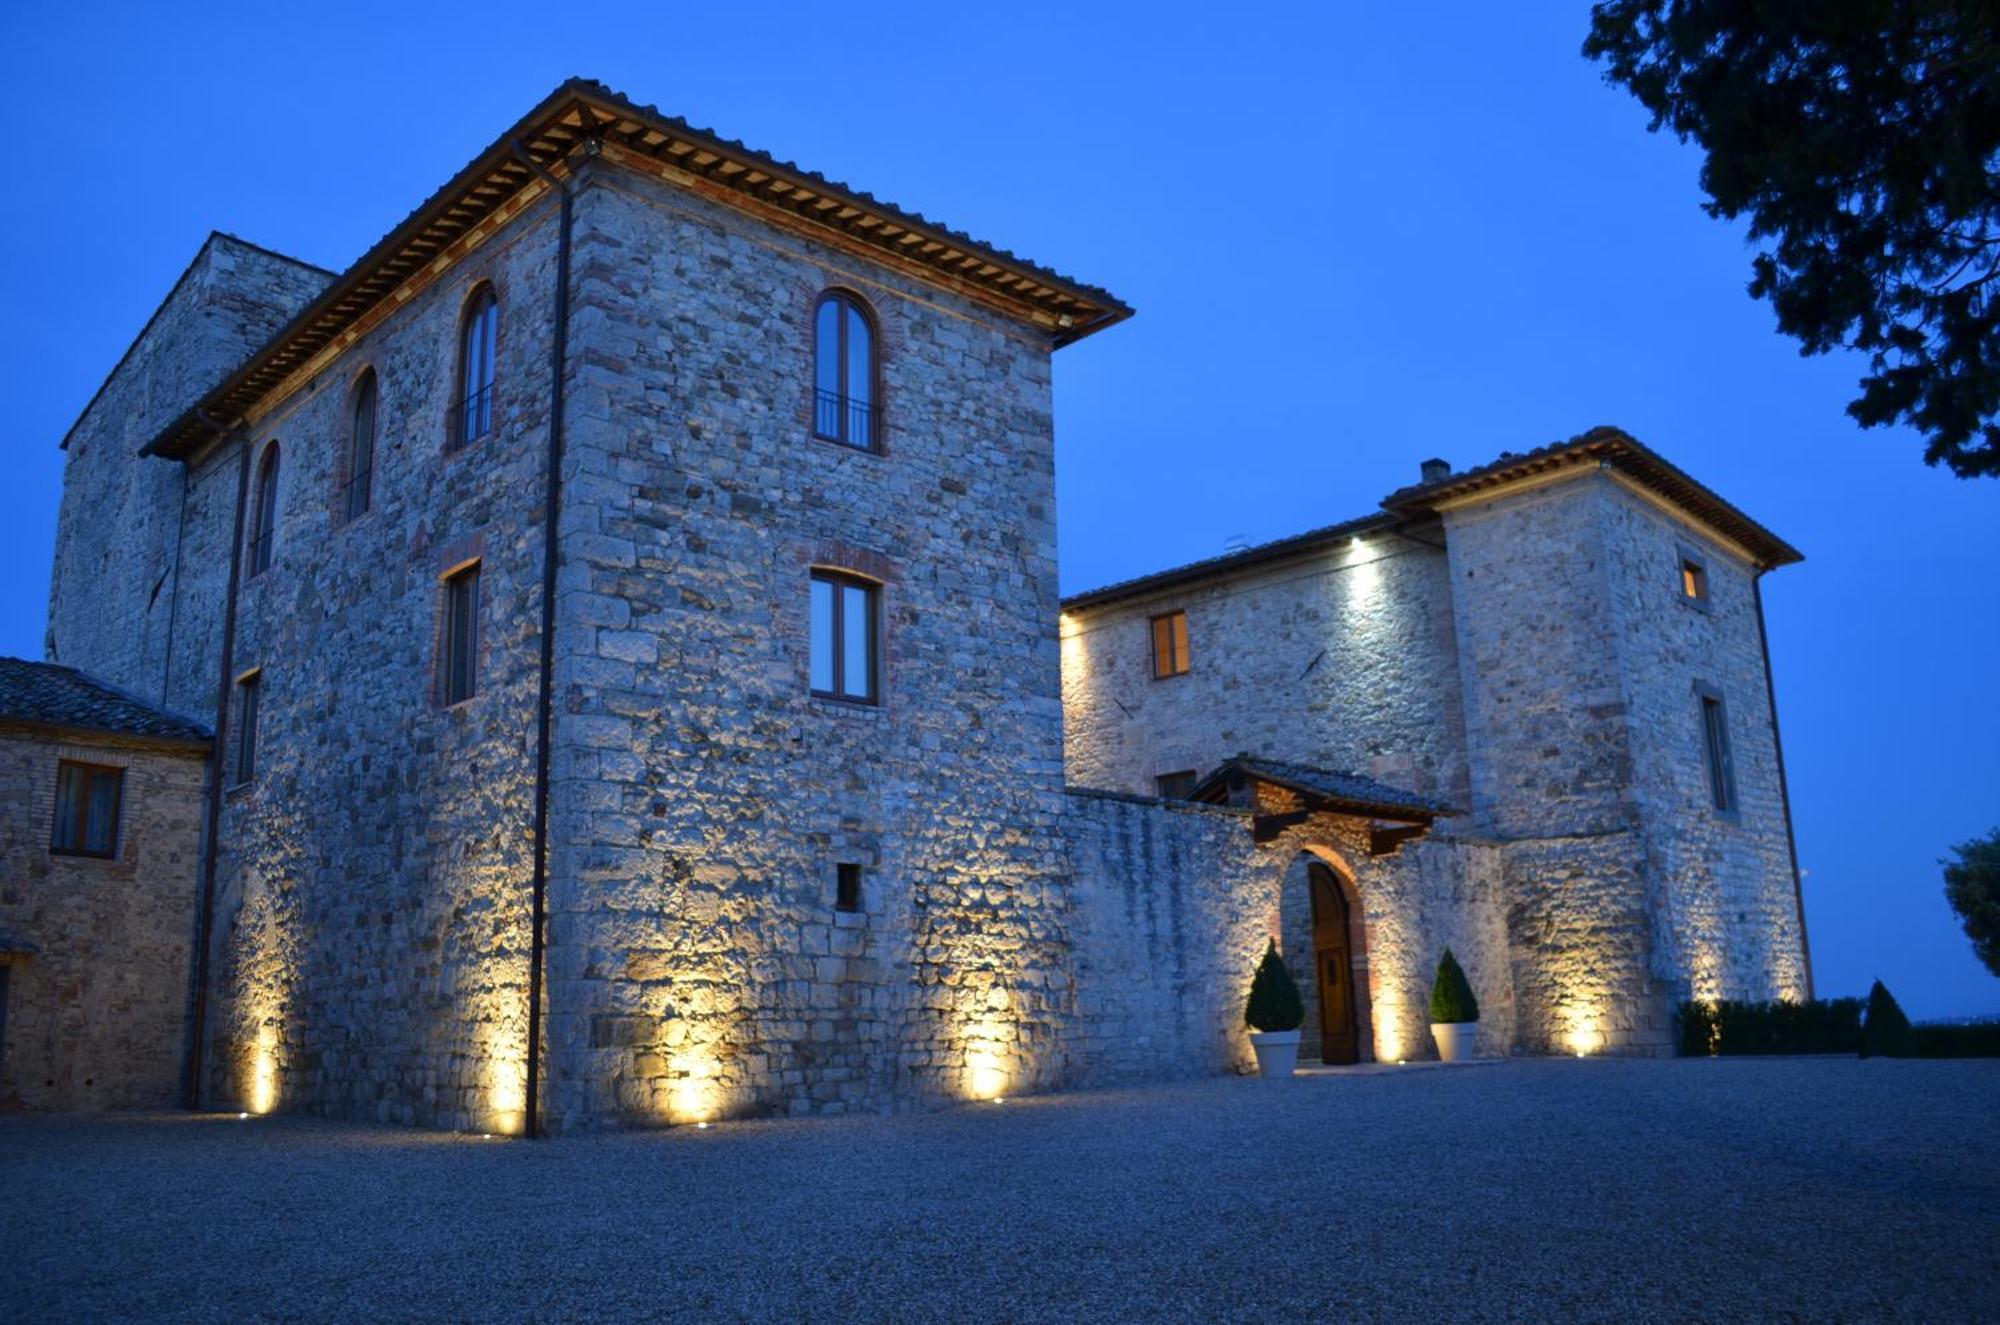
(1350, 790)
(50, 695)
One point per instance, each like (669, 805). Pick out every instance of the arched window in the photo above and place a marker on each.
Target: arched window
(361, 448)
(844, 371)
(472, 415)
(264, 529)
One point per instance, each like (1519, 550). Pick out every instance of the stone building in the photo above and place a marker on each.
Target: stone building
(625, 604)
(99, 823)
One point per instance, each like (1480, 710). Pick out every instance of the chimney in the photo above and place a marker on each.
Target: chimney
(1436, 471)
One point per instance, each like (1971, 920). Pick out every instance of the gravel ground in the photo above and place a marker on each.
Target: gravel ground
(1790, 1189)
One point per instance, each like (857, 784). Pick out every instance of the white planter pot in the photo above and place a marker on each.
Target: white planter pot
(1277, 1053)
(1456, 1040)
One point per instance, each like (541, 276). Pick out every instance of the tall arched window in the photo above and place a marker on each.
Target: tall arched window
(472, 415)
(264, 529)
(844, 371)
(361, 448)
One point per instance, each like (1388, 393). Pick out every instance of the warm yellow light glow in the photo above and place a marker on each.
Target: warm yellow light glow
(264, 1071)
(696, 1096)
(984, 1077)
(507, 1095)
(242, 1115)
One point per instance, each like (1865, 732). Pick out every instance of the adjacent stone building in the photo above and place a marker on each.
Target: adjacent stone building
(625, 605)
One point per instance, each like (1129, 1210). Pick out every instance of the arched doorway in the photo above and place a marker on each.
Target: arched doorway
(1333, 963)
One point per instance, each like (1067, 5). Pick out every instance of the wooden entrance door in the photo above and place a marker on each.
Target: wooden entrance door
(1339, 1033)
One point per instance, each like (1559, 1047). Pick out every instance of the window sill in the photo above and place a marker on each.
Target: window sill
(849, 447)
(68, 853)
(1170, 676)
(868, 710)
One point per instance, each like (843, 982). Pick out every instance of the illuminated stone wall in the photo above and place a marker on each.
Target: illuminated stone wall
(373, 877)
(703, 798)
(95, 1016)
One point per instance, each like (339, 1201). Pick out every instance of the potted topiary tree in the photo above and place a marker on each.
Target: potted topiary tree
(1274, 1014)
(1454, 1011)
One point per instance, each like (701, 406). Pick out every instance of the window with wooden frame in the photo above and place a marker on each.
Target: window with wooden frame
(458, 653)
(1715, 750)
(845, 611)
(87, 801)
(1170, 645)
(264, 522)
(249, 693)
(844, 371)
(1693, 577)
(472, 414)
(1176, 786)
(846, 887)
(359, 487)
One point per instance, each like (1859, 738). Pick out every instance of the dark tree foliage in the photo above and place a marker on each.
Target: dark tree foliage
(1274, 1004)
(1862, 140)
(1972, 886)
(1451, 993)
(1886, 1033)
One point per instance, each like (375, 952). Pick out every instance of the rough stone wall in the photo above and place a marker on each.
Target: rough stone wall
(111, 592)
(1728, 926)
(373, 879)
(1344, 659)
(703, 797)
(1550, 747)
(96, 1019)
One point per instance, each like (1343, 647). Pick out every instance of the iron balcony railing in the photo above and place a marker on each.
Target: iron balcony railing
(845, 419)
(470, 419)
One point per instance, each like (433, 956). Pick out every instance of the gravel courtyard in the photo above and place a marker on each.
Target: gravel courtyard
(1792, 1189)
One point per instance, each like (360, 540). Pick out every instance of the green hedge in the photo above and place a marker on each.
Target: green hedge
(1734, 1026)
(1979, 1039)
(1274, 1003)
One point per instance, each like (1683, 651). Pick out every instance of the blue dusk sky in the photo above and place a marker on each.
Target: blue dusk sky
(1356, 236)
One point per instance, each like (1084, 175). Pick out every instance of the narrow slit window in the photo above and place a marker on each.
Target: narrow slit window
(847, 887)
(1170, 645)
(1176, 786)
(459, 666)
(361, 449)
(87, 801)
(472, 414)
(264, 527)
(1715, 744)
(844, 650)
(844, 370)
(248, 692)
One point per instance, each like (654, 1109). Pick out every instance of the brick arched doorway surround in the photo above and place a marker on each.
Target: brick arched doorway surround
(1310, 942)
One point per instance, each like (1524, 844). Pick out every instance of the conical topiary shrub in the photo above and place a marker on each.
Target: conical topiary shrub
(1274, 1003)
(1886, 1033)
(1451, 993)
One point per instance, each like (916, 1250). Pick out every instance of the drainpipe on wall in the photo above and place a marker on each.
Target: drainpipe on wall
(191, 1089)
(1784, 787)
(545, 700)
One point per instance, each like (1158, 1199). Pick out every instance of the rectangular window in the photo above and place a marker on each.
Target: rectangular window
(458, 664)
(1176, 786)
(1170, 645)
(1694, 578)
(87, 798)
(843, 638)
(247, 693)
(847, 887)
(1715, 745)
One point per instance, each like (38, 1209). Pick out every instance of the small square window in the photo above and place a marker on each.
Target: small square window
(1170, 645)
(1694, 579)
(1176, 786)
(847, 887)
(87, 797)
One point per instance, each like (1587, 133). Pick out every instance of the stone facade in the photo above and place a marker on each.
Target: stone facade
(1532, 658)
(95, 998)
(1029, 918)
